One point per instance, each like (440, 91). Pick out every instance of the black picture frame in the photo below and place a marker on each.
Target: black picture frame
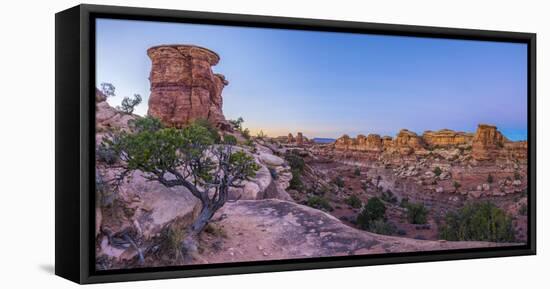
(75, 141)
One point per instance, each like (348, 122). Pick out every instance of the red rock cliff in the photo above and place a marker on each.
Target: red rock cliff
(183, 86)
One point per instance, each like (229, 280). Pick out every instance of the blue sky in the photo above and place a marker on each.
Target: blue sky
(327, 84)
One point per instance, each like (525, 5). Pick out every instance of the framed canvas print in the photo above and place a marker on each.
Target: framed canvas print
(193, 144)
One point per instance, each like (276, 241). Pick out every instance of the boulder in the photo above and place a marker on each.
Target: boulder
(270, 159)
(275, 229)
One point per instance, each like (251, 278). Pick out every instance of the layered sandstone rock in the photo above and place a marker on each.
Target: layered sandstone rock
(107, 117)
(406, 142)
(183, 86)
(515, 150)
(387, 141)
(344, 143)
(487, 142)
(372, 142)
(446, 138)
(290, 138)
(299, 139)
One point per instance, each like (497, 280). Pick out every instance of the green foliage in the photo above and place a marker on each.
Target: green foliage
(296, 181)
(437, 171)
(373, 210)
(237, 124)
(106, 155)
(354, 202)
(382, 227)
(214, 135)
(185, 157)
(128, 104)
(478, 222)
(404, 202)
(295, 161)
(107, 89)
(319, 202)
(416, 213)
(490, 179)
(456, 185)
(246, 133)
(246, 164)
(147, 123)
(229, 139)
(357, 172)
(339, 182)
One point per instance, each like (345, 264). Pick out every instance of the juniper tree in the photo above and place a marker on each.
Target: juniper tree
(185, 158)
(128, 104)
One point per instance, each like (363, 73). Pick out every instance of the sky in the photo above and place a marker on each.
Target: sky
(326, 84)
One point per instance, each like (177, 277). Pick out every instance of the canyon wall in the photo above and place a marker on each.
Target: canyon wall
(487, 143)
(184, 87)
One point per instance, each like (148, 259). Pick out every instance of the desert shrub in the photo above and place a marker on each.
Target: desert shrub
(250, 143)
(404, 202)
(237, 123)
(296, 181)
(339, 182)
(478, 222)
(373, 210)
(401, 232)
(416, 213)
(107, 89)
(382, 227)
(273, 173)
(215, 230)
(357, 172)
(437, 171)
(523, 210)
(389, 197)
(142, 124)
(517, 176)
(456, 185)
(229, 139)
(212, 130)
(319, 202)
(128, 104)
(245, 133)
(354, 202)
(295, 161)
(106, 155)
(490, 179)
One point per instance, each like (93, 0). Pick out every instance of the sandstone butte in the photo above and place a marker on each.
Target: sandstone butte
(184, 87)
(487, 143)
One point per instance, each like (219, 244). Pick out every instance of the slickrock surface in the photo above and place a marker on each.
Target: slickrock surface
(183, 86)
(275, 229)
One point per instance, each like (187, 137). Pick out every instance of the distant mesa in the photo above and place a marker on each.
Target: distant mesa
(322, 140)
(184, 87)
(487, 143)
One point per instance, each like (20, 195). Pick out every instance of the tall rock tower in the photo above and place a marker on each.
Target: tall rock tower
(183, 86)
